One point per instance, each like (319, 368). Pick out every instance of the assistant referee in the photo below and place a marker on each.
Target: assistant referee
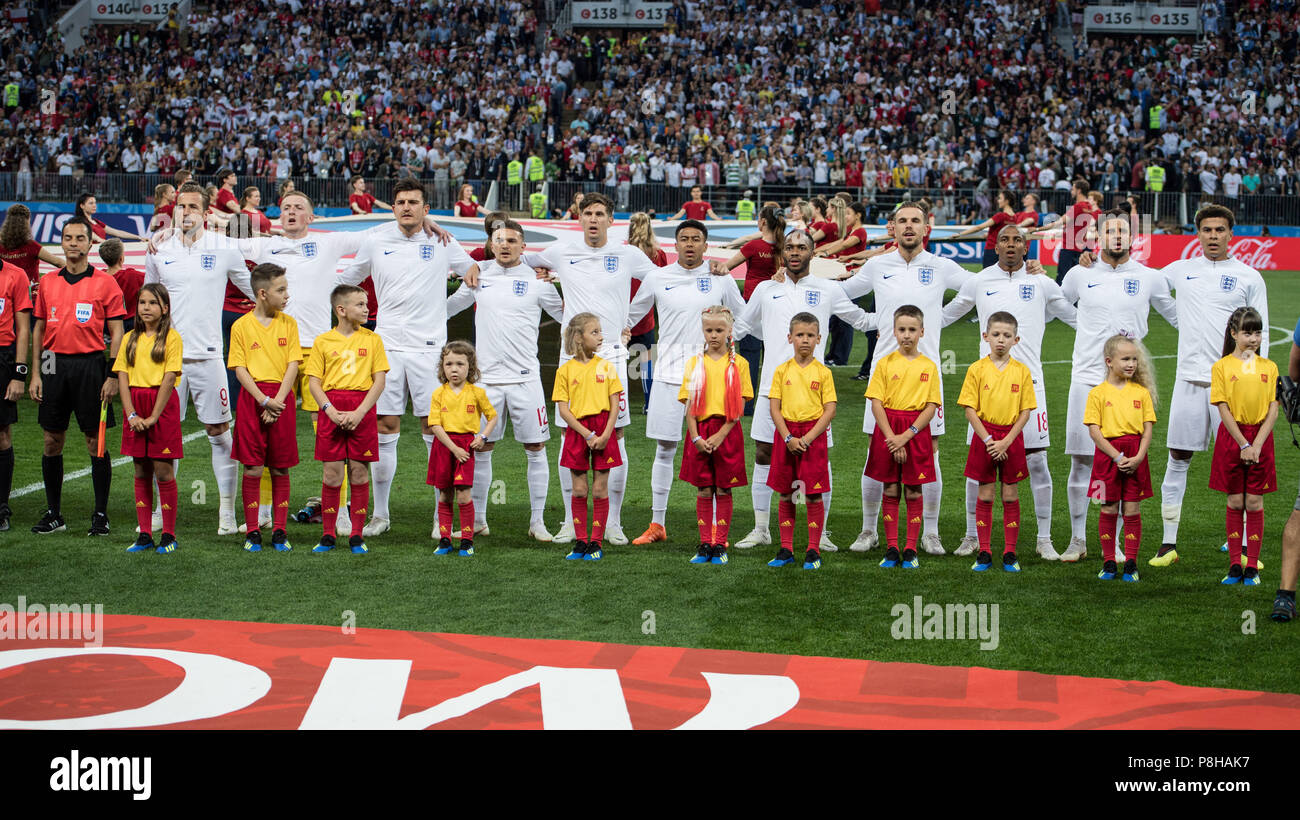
(73, 307)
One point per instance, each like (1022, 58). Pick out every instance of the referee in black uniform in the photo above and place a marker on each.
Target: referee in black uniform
(73, 308)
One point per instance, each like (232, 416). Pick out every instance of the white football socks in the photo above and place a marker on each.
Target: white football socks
(931, 495)
(1040, 483)
(566, 486)
(872, 494)
(761, 495)
(1076, 493)
(538, 480)
(383, 471)
(972, 496)
(1171, 497)
(224, 468)
(661, 480)
(617, 486)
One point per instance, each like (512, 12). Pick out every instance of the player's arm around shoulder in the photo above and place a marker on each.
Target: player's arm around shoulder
(960, 304)
(461, 298)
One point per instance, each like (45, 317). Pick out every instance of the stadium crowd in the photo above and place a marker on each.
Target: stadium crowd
(929, 95)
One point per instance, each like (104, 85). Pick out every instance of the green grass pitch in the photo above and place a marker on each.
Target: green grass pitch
(1177, 624)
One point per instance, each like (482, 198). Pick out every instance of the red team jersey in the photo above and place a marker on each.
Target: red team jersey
(225, 198)
(861, 234)
(830, 232)
(759, 264)
(13, 298)
(27, 257)
(1079, 218)
(465, 209)
(697, 210)
(76, 313)
(365, 202)
(129, 280)
(1001, 219)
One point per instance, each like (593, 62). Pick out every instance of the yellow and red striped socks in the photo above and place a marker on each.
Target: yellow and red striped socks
(1106, 525)
(915, 512)
(984, 525)
(444, 519)
(1254, 536)
(167, 495)
(579, 508)
(599, 515)
(1010, 524)
(360, 499)
(890, 505)
(816, 519)
(280, 502)
(704, 517)
(467, 521)
(144, 504)
(1232, 526)
(785, 523)
(721, 518)
(329, 509)
(1132, 537)
(252, 496)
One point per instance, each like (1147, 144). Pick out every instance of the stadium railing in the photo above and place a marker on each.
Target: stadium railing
(960, 205)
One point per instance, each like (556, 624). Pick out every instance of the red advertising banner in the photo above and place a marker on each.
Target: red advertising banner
(141, 672)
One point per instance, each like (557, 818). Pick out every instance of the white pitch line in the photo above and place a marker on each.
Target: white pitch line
(85, 471)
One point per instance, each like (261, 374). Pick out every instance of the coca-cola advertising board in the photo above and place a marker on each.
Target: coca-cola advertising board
(1158, 250)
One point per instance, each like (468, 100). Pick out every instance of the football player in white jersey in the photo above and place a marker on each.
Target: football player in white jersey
(510, 303)
(1033, 299)
(410, 272)
(908, 276)
(679, 293)
(311, 263)
(771, 306)
(194, 265)
(1208, 289)
(596, 277)
(1114, 295)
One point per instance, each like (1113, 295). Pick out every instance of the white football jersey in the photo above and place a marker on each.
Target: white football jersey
(1112, 300)
(1033, 299)
(595, 280)
(773, 304)
(1207, 294)
(679, 296)
(311, 266)
(897, 282)
(195, 277)
(410, 275)
(510, 304)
